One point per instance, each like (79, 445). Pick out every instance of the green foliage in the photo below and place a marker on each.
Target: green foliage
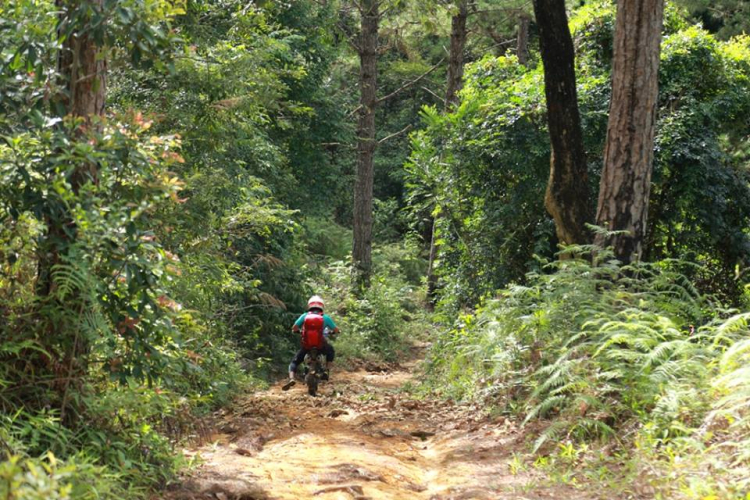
(100, 347)
(31, 467)
(726, 18)
(596, 350)
(111, 273)
(249, 101)
(326, 240)
(378, 323)
(153, 260)
(150, 259)
(702, 131)
(48, 478)
(108, 315)
(482, 170)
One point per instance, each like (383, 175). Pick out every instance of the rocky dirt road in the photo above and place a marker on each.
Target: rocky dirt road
(363, 437)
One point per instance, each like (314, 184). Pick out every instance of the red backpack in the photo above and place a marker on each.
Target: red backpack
(312, 331)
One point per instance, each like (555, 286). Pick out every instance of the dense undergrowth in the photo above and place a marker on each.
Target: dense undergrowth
(629, 357)
(120, 437)
(154, 257)
(625, 376)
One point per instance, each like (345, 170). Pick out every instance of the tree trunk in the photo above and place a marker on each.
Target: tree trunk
(456, 56)
(567, 196)
(455, 82)
(363, 186)
(432, 281)
(628, 153)
(83, 75)
(82, 69)
(522, 39)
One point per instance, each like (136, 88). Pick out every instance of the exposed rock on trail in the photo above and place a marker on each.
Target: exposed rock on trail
(361, 438)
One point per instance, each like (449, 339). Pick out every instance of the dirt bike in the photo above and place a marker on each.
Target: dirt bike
(314, 371)
(315, 363)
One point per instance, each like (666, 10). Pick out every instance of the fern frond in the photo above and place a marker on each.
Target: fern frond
(68, 280)
(543, 409)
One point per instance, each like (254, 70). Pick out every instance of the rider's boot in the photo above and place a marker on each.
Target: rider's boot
(326, 372)
(290, 383)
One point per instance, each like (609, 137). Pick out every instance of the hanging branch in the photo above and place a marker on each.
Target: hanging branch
(410, 83)
(395, 134)
(433, 94)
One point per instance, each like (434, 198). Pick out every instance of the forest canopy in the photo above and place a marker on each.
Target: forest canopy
(177, 177)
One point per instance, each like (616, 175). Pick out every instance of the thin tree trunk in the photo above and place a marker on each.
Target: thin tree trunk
(83, 75)
(567, 196)
(455, 82)
(456, 56)
(628, 153)
(432, 281)
(82, 69)
(522, 39)
(363, 187)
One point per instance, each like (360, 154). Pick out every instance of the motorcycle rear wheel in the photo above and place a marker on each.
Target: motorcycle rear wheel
(312, 383)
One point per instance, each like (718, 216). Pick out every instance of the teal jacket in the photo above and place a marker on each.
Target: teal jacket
(326, 320)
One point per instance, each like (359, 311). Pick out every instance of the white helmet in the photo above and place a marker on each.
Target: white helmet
(315, 302)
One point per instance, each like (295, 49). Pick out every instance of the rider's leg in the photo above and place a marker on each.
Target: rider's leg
(296, 361)
(330, 356)
(298, 358)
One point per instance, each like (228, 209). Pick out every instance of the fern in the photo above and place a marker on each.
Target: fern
(544, 408)
(611, 348)
(69, 279)
(553, 432)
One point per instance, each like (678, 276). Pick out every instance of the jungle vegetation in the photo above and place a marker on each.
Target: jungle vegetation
(555, 194)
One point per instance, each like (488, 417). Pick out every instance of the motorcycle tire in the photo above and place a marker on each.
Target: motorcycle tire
(312, 384)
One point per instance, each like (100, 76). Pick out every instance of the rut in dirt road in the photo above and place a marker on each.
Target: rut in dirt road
(363, 437)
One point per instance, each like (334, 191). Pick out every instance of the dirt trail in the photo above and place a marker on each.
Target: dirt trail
(361, 438)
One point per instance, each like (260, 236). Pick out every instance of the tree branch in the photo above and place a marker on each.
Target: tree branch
(351, 39)
(410, 83)
(350, 113)
(433, 94)
(395, 134)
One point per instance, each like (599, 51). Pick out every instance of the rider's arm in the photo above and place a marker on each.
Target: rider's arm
(298, 324)
(330, 324)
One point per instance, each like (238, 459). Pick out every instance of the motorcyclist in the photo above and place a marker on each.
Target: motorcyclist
(315, 306)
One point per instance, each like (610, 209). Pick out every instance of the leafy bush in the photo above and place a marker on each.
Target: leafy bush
(31, 467)
(326, 239)
(377, 323)
(48, 478)
(604, 351)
